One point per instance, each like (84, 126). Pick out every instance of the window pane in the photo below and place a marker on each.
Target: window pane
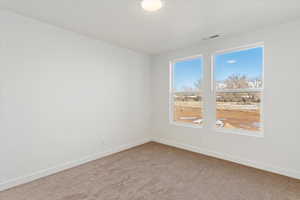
(187, 91)
(239, 70)
(238, 81)
(239, 110)
(187, 108)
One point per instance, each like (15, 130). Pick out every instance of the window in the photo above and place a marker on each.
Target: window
(238, 84)
(186, 91)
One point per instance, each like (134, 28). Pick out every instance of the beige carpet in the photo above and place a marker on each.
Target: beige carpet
(158, 172)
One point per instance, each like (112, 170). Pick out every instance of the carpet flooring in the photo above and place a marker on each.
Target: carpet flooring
(157, 172)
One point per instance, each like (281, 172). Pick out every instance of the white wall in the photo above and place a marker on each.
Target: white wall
(65, 99)
(279, 150)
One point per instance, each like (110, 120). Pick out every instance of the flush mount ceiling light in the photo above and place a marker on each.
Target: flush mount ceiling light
(151, 5)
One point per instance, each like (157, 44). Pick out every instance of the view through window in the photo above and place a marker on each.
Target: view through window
(238, 84)
(186, 91)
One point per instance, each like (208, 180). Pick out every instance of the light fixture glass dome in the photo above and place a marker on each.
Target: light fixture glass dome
(151, 5)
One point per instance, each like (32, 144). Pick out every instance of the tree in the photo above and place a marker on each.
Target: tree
(236, 81)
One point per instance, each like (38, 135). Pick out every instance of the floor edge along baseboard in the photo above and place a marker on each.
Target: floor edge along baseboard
(68, 165)
(273, 169)
(46, 172)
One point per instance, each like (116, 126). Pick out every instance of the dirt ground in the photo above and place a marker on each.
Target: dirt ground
(242, 119)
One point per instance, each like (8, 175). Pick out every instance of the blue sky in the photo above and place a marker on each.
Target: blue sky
(247, 62)
(186, 73)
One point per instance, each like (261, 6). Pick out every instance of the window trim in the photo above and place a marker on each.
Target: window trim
(238, 131)
(171, 92)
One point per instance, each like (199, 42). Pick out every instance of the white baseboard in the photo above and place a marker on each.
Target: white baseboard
(257, 165)
(46, 172)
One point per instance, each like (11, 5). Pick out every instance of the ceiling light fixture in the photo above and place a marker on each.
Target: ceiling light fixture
(151, 5)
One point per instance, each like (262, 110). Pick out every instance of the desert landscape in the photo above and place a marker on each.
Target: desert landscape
(229, 115)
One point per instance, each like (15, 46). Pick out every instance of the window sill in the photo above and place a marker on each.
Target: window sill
(258, 134)
(186, 125)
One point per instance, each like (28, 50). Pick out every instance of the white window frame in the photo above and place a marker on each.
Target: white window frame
(171, 92)
(214, 90)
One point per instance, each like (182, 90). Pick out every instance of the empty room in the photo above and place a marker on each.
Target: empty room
(149, 100)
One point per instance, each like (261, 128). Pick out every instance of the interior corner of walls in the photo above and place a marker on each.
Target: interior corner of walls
(83, 67)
